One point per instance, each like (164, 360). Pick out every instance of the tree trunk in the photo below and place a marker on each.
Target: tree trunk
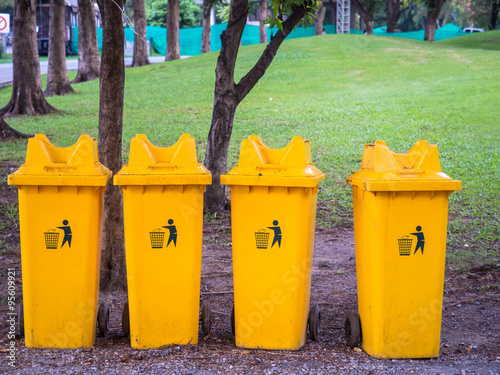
(57, 75)
(393, 12)
(6, 132)
(140, 41)
(369, 26)
(495, 7)
(263, 17)
(88, 50)
(112, 86)
(319, 19)
(173, 48)
(228, 95)
(366, 11)
(433, 10)
(446, 14)
(27, 95)
(205, 37)
(225, 103)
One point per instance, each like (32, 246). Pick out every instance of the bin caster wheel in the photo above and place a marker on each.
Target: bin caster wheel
(206, 318)
(352, 330)
(20, 321)
(314, 322)
(126, 320)
(233, 329)
(103, 319)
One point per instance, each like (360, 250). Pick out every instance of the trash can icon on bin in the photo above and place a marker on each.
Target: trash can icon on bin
(273, 215)
(61, 195)
(163, 212)
(400, 224)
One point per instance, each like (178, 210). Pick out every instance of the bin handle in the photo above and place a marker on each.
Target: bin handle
(57, 167)
(162, 166)
(411, 172)
(269, 167)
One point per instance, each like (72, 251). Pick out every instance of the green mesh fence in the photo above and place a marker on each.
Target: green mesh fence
(190, 38)
(302, 32)
(74, 39)
(447, 31)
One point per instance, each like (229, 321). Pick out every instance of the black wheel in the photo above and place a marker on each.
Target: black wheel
(206, 318)
(352, 330)
(126, 320)
(314, 322)
(233, 329)
(20, 321)
(103, 319)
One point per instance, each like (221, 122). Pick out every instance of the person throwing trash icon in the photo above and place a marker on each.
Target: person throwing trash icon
(67, 233)
(173, 232)
(277, 233)
(420, 240)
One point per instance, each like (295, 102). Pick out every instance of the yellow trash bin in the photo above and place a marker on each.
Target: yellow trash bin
(163, 212)
(400, 223)
(273, 214)
(61, 192)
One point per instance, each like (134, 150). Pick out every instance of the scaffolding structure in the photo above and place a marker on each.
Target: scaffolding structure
(343, 16)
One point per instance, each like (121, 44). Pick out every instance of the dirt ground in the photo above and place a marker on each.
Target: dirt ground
(470, 339)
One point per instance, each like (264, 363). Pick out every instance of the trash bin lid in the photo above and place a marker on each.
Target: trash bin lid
(151, 165)
(417, 170)
(49, 165)
(260, 165)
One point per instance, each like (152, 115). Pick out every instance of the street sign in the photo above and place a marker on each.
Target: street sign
(4, 23)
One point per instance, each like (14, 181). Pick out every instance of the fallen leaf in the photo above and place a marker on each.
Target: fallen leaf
(208, 337)
(128, 360)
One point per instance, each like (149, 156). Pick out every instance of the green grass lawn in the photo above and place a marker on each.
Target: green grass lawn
(6, 58)
(340, 92)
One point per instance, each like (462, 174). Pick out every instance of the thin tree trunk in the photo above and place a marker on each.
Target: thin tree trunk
(228, 95)
(112, 86)
(88, 50)
(173, 48)
(366, 12)
(6, 132)
(140, 41)
(27, 95)
(205, 37)
(446, 15)
(57, 75)
(225, 103)
(433, 10)
(495, 7)
(319, 19)
(263, 17)
(369, 26)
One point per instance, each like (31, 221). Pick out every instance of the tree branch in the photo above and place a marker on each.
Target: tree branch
(248, 82)
(230, 41)
(360, 8)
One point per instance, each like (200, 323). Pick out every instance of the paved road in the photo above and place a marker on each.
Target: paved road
(6, 70)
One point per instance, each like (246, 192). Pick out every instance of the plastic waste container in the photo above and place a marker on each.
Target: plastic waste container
(273, 214)
(61, 192)
(163, 212)
(400, 224)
